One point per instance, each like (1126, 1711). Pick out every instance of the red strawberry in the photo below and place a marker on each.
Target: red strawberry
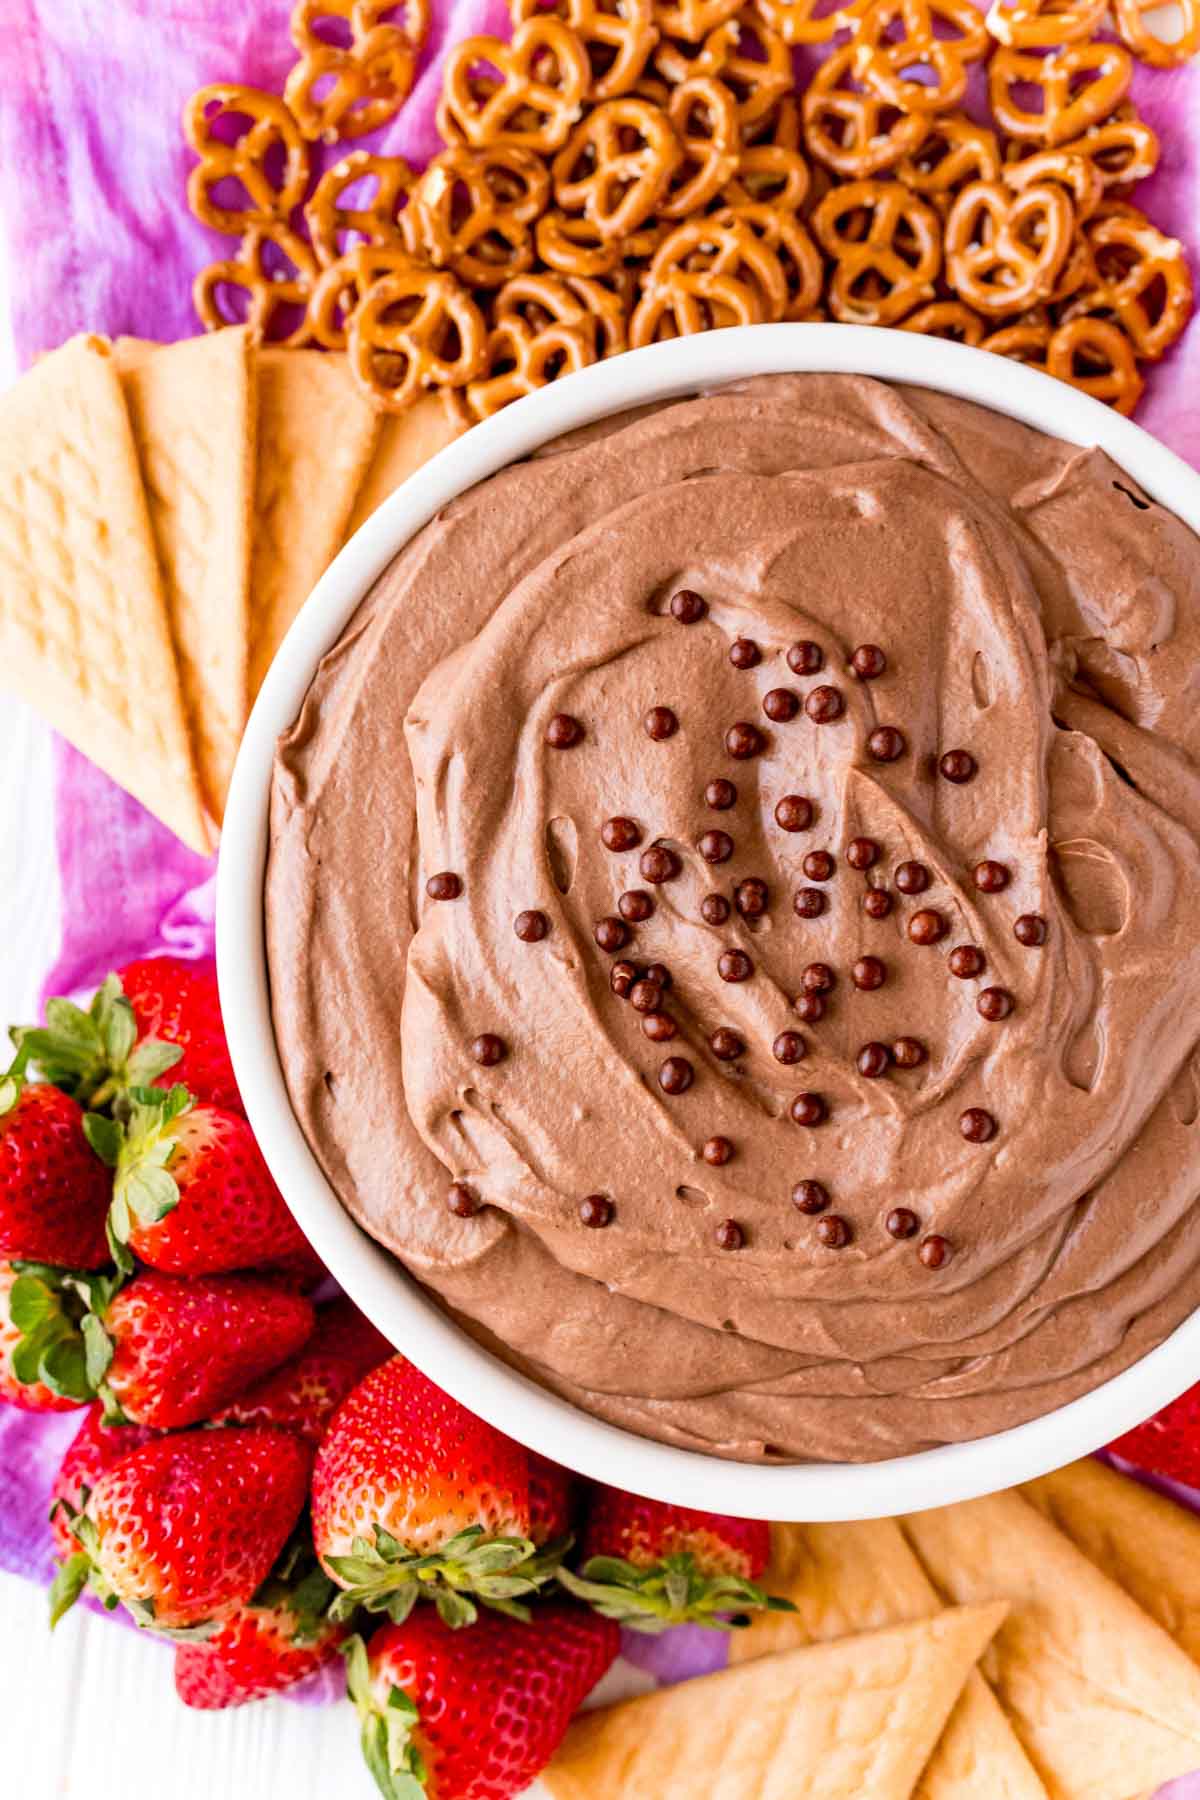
(412, 1493)
(192, 1194)
(473, 1715)
(280, 1637)
(94, 1055)
(187, 1528)
(95, 1448)
(650, 1565)
(1169, 1443)
(302, 1395)
(159, 1351)
(178, 1001)
(302, 1269)
(552, 1494)
(23, 1390)
(54, 1192)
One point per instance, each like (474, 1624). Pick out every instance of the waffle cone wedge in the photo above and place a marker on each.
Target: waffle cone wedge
(839, 1721)
(845, 1579)
(407, 440)
(1105, 1703)
(84, 631)
(315, 441)
(192, 409)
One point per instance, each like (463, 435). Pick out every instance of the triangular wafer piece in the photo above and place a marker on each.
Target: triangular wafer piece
(844, 1579)
(1103, 1700)
(408, 439)
(191, 408)
(837, 1721)
(84, 634)
(1146, 1543)
(316, 438)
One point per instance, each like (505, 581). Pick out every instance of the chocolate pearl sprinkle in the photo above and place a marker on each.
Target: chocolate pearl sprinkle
(908, 1053)
(715, 909)
(990, 877)
(935, 1252)
(658, 864)
(824, 705)
(717, 1151)
(726, 1045)
(794, 813)
(636, 906)
(563, 731)
(874, 1060)
(868, 662)
(611, 935)
(1030, 929)
(912, 877)
(645, 996)
(789, 1047)
(596, 1211)
(676, 1075)
(810, 1197)
(462, 1201)
(957, 766)
(877, 903)
(620, 834)
(809, 1007)
(720, 795)
(805, 658)
(809, 1109)
(819, 865)
(976, 1125)
(744, 653)
(446, 886)
(994, 1004)
(817, 978)
(659, 972)
(744, 740)
(751, 897)
(808, 903)
(869, 973)
(687, 606)
(926, 926)
(730, 1235)
(659, 1027)
(886, 744)
(531, 927)
(734, 965)
(781, 705)
(862, 853)
(488, 1049)
(966, 961)
(833, 1231)
(622, 979)
(660, 722)
(716, 846)
(901, 1222)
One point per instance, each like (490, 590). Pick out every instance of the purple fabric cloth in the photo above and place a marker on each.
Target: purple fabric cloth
(90, 93)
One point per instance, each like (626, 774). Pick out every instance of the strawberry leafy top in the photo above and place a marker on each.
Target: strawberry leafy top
(387, 1729)
(137, 1143)
(93, 1054)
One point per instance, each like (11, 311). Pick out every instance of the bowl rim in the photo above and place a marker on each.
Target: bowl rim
(376, 1280)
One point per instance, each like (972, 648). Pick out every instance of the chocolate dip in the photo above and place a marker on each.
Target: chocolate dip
(856, 1175)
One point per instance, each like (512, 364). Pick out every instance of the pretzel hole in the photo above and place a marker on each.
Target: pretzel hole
(1115, 261)
(223, 126)
(231, 302)
(286, 319)
(229, 193)
(1079, 80)
(276, 264)
(332, 29)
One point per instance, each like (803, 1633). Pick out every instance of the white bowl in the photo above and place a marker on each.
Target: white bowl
(373, 1278)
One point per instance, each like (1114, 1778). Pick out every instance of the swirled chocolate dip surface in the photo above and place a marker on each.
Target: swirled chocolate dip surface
(897, 1144)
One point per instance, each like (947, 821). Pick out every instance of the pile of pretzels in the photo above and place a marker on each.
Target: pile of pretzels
(623, 171)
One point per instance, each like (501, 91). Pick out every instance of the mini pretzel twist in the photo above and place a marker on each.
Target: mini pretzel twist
(1096, 356)
(383, 217)
(520, 104)
(849, 127)
(885, 61)
(573, 246)
(1143, 279)
(1161, 53)
(519, 360)
(617, 164)
(730, 247)
(954, 151)
(799, 22)
(689, 301)
(274, 272)
(618, 36)
(948, 319)
(474, 209)
(693, 20)
(1077, 175)
(1122, 149)
(1026, 340)
(704, 116)
(1004, 252)
(744, 53)
(341, 286)
(338, 91)
(767, 174)
(270, 132)
(414, 328)
(797, 255)
(1067, 108)
(887, 250)
(1043, 24)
